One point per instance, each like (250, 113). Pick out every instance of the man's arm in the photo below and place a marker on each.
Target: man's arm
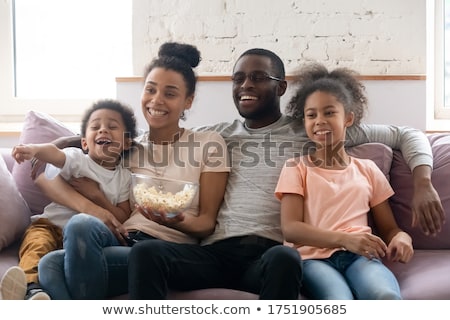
(426, 207)
(413, 143)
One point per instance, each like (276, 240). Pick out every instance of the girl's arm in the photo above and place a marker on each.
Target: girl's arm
(46, 152)
(399, 242)
(300, 233)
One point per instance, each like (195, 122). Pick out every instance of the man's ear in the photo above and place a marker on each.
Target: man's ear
(349, 118)
(281, 88)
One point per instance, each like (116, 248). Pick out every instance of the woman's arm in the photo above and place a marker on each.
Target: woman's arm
(212, 190)
(91, 190)
(59, 191)
(415, 147)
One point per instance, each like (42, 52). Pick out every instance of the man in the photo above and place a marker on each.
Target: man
(245, 251)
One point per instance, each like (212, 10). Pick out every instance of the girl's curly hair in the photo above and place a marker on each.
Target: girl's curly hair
(343, 83)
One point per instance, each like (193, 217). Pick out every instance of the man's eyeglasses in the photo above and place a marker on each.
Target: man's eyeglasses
(254, 76)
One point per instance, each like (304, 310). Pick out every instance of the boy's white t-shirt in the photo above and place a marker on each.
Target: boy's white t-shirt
(115, 184)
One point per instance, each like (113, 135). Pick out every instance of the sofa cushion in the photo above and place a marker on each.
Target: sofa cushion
(14, 212)
(37, 128)
(425, 277)
(402, 182)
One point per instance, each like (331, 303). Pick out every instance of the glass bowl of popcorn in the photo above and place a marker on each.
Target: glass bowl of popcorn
(162, 195)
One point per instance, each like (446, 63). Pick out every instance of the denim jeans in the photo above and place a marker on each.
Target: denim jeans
(92, 265)
(248, 263)
(346, 275)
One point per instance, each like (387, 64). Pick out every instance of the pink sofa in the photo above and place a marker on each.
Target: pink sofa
(427, 276)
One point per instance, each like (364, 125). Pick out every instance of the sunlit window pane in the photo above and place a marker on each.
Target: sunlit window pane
(71, 48)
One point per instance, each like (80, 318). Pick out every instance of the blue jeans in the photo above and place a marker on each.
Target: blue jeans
(347, 276)
(92, 265)
(248, 263)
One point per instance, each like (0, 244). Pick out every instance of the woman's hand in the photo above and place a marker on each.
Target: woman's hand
(160, 217)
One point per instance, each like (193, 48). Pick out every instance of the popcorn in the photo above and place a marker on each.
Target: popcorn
(158, 200)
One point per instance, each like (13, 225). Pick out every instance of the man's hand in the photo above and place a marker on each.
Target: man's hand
(427, 210)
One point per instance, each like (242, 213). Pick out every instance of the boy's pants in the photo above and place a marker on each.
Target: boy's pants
(40, 238)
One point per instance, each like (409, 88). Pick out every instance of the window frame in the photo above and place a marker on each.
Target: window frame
(437, 116)
(441, 111)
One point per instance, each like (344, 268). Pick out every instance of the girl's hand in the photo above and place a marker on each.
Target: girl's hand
(365, 244)
(400, 248)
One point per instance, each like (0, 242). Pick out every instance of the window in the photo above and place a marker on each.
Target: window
(62, 54)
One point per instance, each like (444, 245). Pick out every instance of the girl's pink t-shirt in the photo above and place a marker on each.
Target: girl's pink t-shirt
(338, 200)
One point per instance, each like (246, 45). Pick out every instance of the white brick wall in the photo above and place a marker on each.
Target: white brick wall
(371, 36)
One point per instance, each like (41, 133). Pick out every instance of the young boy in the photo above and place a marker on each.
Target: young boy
(107, 130)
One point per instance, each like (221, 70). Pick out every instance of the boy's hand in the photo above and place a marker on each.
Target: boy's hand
(23, 152)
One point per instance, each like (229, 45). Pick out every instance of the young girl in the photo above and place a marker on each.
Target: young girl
(326, 197)
(94, 264)
(107, 130)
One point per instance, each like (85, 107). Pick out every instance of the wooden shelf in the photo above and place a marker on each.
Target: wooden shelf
(290, 77)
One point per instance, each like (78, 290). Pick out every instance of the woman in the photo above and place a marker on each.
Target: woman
(93, 264)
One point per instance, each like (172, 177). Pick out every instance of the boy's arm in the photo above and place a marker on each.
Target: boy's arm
(37, 165)
(415, 147)
(46, 152)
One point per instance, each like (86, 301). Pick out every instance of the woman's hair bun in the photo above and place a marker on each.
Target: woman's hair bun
(182, 51)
